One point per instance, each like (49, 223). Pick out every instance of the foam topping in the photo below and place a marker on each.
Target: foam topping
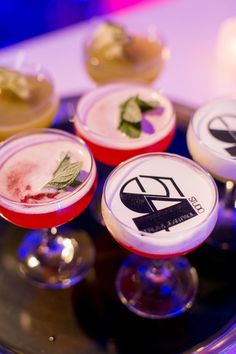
(160, 194)
(100, 111)
(215, 125)
(28, 164)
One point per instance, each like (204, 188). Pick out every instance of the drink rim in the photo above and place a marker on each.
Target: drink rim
(34, 69)
(49, 131)
(204, 110)
(175, 156)
(102, 91)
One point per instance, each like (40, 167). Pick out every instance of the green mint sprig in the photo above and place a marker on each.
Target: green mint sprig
(65, 174)
(146, 106)
(131, 115)
(15, 82)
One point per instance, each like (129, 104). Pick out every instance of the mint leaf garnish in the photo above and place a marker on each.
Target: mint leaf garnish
(146, 106)
(65, 174)
(65, 162)
(15, 82)
(133, 130)
(130, 111)
(131, 115)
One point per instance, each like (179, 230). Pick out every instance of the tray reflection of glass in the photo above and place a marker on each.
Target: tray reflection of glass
(159, 206)
(211, 139)
(47, 178)
(116, 53)
(33, 110)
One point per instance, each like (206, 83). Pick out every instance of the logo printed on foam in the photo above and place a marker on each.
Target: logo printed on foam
(223, 128)
(162, 211)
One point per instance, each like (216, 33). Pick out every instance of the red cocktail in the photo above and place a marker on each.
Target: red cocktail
(98, 118)
(47, 178)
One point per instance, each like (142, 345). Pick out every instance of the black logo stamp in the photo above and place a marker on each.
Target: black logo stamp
(136, 194)
(223, 128)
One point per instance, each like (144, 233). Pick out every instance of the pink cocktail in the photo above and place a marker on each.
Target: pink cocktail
(36, 191)
(97, 121)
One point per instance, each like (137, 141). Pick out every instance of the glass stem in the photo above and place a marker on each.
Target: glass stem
(51, 247)
(159, 275)
(156, 288)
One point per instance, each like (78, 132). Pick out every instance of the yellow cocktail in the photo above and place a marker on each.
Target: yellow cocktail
(113, 53)
(37, 110)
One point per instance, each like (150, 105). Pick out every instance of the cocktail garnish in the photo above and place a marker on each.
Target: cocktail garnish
(65, 174)
(131, 115)
(15, 82)
(146, 106)
(111, 39)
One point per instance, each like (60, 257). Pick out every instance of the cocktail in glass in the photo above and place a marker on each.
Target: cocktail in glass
(115, 53)
(211, 139)
(159, 206)
(35, 170)
(35, 111)
(97, 121)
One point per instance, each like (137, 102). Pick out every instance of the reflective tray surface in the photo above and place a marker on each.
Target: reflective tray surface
(89, 318)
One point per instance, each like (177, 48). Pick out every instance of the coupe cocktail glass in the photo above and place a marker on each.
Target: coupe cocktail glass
(97, 120)
(159, 206)
(37, 111)
(28, 161)
(144, 59)
(211, 139)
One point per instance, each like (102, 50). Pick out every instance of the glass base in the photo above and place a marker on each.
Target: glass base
(56, 259)
(157, 288)
(224, 234)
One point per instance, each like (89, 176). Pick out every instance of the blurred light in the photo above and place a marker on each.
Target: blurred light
(53, 230)
(60, 240)
(25, 320)
(226, 46)
(67, 253)
(166, 53)
(229, 185)
(32, 262)
(111, 5)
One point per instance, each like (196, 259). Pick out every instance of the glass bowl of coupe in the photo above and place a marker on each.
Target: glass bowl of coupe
(27, 97)
(119, 121)
(113, 52)
(153, 211)
(211, 139)
(41, 190)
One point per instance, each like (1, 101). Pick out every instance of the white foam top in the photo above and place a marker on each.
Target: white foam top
(157, 182)
(98, 116)
(215, 126)
(27, 164)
